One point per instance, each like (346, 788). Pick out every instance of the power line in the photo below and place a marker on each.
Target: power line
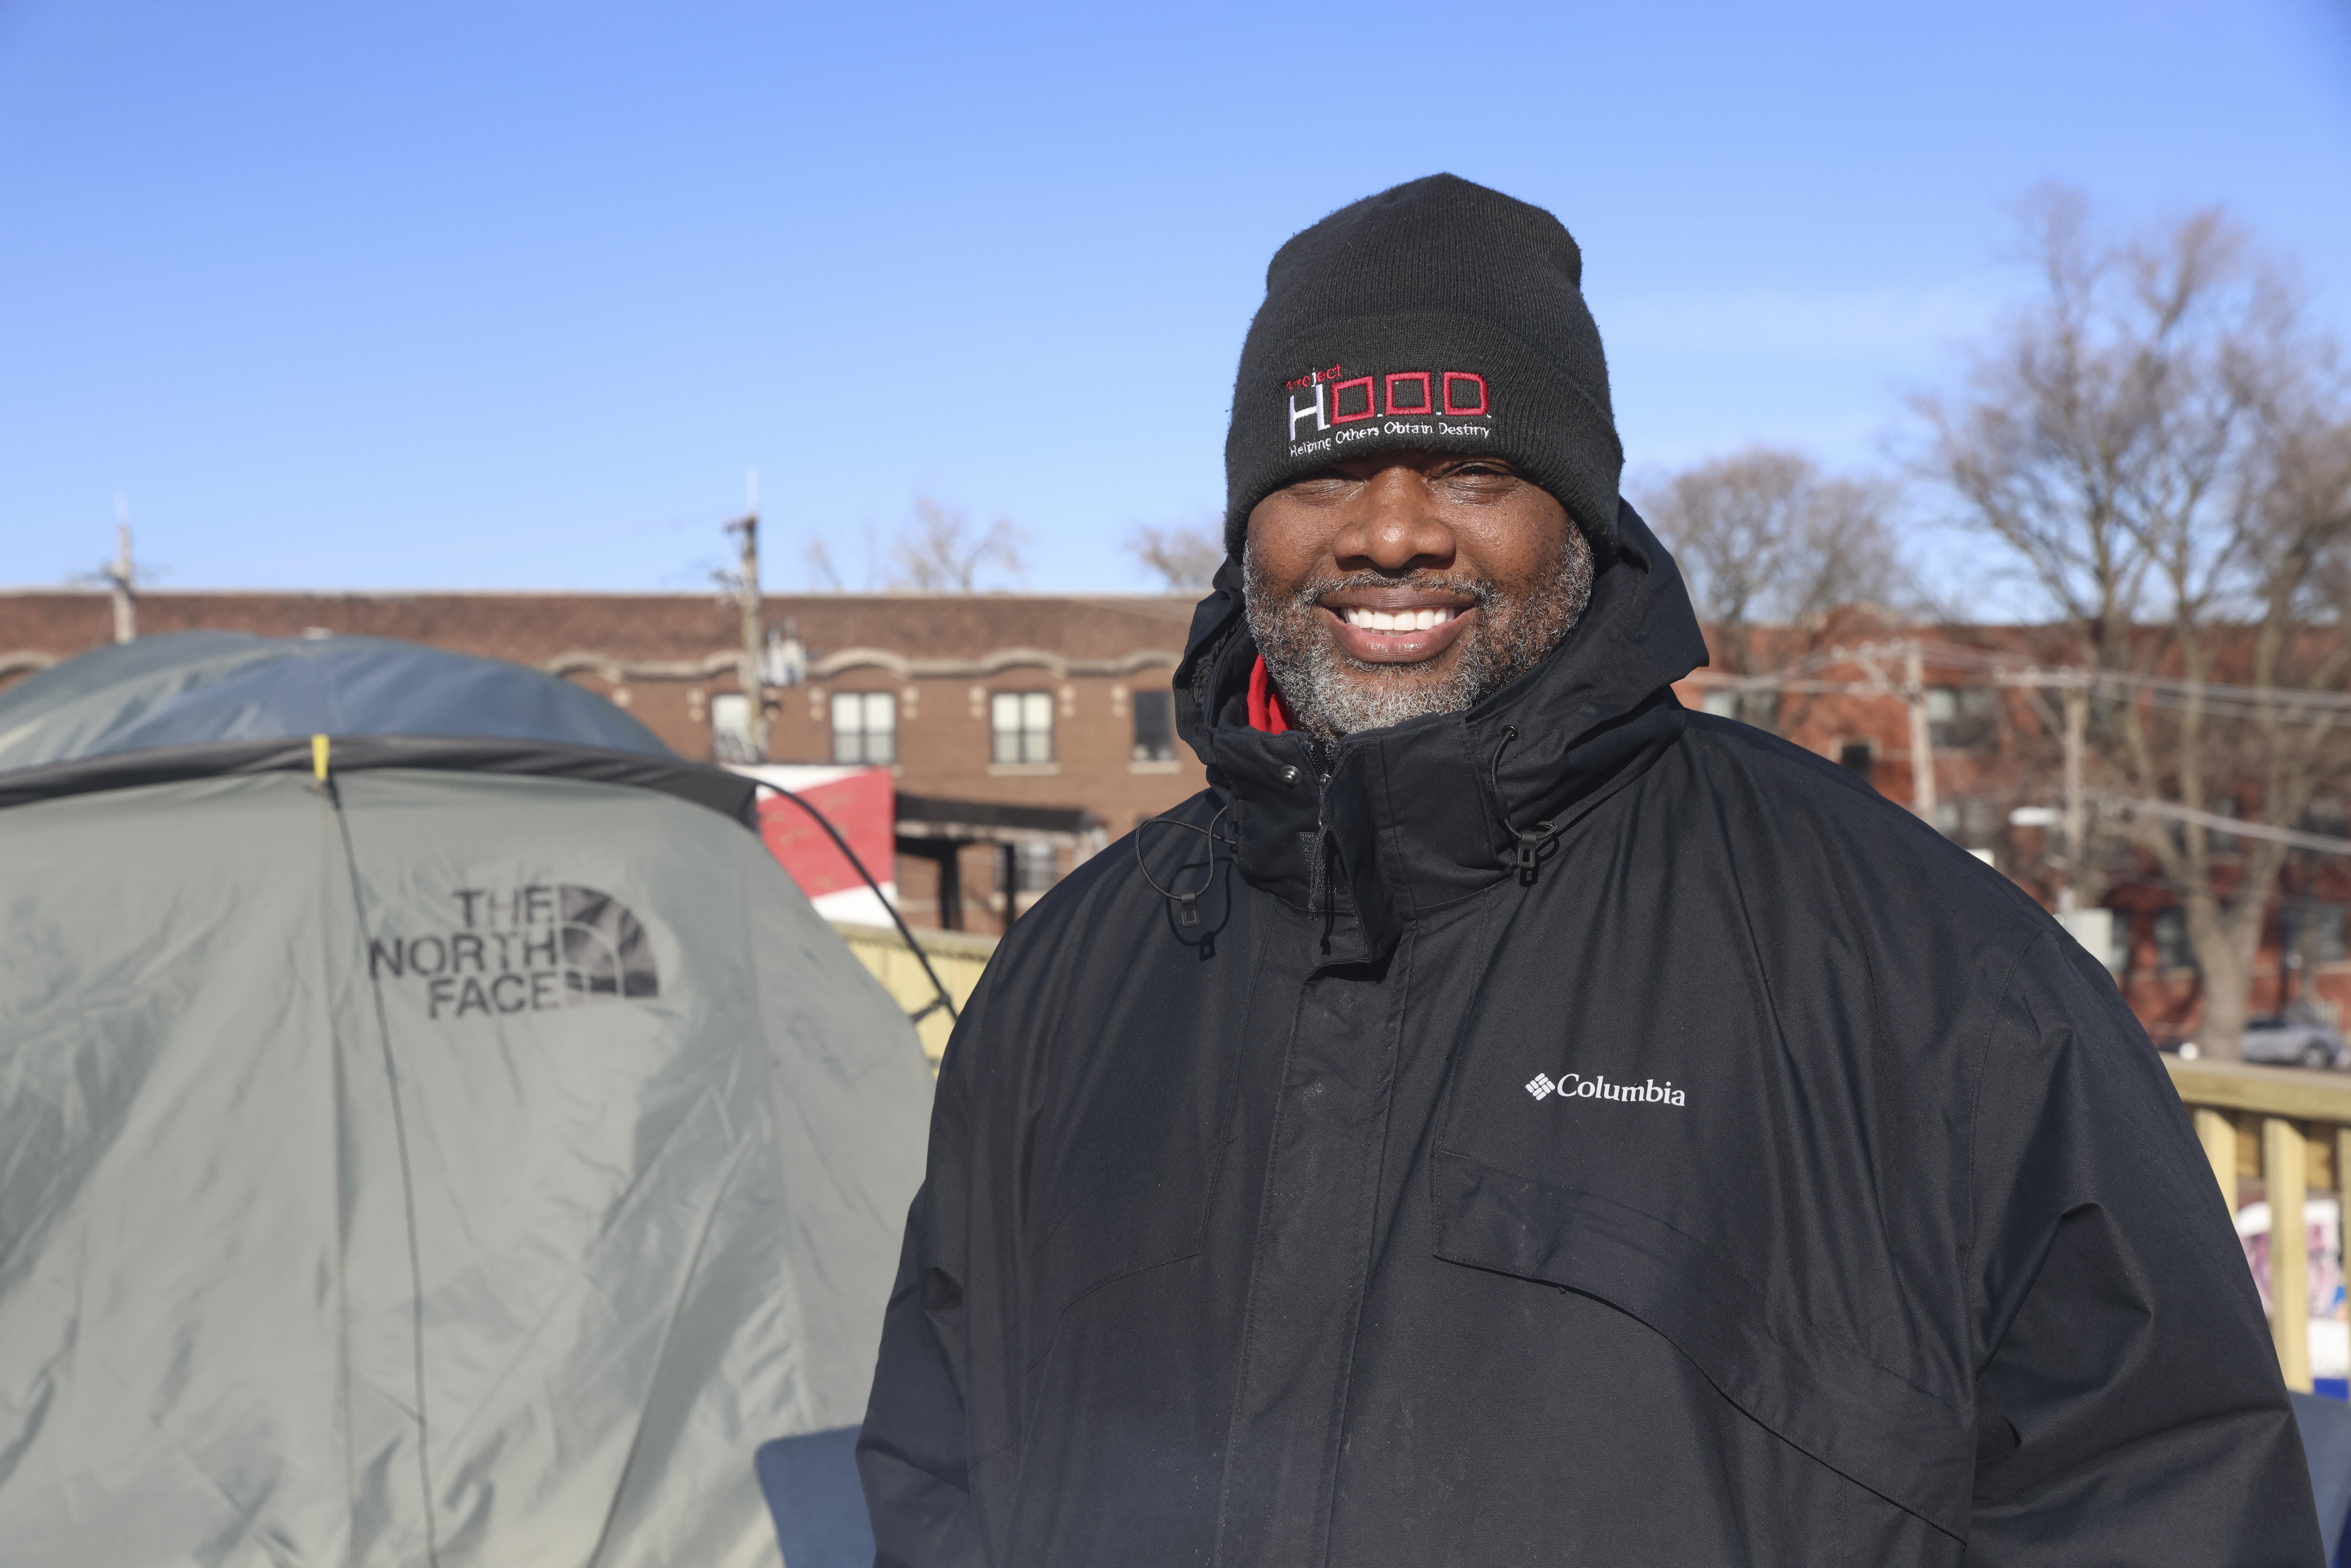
(2241, 829)
(2216, 698)
(2079, 684)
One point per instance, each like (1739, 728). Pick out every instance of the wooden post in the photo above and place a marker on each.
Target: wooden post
(2217, 1131)
(2283, 1171)
(2077, 715)
(122, 577)
(746, 600)
(1922, 741)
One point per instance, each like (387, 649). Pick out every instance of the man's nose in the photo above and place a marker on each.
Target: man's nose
(1396, 527)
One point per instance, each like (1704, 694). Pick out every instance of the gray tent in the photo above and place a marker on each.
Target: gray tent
(453, 1141)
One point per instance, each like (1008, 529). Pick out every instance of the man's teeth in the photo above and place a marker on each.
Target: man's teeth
(1397, 621)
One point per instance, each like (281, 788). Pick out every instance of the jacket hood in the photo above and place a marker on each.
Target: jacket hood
(1416, 815)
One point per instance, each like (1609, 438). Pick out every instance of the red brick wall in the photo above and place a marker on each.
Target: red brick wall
(991, 642)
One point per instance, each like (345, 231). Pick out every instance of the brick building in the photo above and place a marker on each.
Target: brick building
(1996, 746)
(1056, 709)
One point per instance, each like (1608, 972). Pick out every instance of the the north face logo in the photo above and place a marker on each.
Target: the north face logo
(527, 949)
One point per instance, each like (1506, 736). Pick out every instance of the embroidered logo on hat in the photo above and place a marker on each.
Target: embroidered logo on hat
(1393, 402)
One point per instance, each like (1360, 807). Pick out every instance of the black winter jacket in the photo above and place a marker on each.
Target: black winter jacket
(1753, 1178)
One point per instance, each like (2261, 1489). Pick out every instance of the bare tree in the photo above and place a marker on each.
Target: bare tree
(1185, 557)
(823, 575)
(941, 551)
(2166, 447)
(1765, 539)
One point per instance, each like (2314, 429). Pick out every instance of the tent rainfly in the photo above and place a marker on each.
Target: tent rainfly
(432, 1131)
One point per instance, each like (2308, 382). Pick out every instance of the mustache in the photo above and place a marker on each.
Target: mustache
(1477, 589)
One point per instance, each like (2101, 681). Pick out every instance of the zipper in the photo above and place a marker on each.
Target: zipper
(1320, 899)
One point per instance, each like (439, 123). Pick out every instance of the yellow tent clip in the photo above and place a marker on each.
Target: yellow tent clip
(319, 757)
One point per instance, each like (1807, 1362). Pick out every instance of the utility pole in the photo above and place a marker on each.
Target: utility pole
(2077, 715)
(746, 593)
(1922, 737)
(121, 579)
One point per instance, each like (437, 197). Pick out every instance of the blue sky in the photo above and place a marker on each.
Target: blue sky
(512, 295)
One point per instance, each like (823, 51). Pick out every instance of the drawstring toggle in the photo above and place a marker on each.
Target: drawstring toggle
(1534, 843)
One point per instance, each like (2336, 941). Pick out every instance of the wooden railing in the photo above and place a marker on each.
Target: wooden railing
(2290, 1130)
(958, 957)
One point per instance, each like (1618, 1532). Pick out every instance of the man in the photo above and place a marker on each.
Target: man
(1507, 1118)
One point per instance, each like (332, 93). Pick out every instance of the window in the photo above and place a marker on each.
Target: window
(1856, 756)
(2171, 948)
(1759, 708)
(1154, 726)
(1974, 823)
(2224, 842)
(730, 729)
(1963, 718)
(865, 728)
(1035, 866)
(1021, 724)
(2122, 942)
(2314, 933)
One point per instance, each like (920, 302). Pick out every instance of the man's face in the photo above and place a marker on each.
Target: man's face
(1408, 583)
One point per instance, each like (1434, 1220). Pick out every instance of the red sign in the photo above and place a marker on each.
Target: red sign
(862, 802)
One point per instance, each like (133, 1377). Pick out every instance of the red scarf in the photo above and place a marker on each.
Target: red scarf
(1266, 709)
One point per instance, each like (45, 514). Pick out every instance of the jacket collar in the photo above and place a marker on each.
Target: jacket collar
(1411, 817)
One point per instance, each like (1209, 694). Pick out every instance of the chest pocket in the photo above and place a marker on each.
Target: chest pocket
(1824, 1397)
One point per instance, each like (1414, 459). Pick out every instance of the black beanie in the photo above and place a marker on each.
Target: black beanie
(1439, 315)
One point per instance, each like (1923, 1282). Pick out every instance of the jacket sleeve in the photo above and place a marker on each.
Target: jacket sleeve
(2129, 1408)
(913, 1454)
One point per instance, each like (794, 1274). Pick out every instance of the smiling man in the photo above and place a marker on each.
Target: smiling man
(1508, 1120)
(1406, 583)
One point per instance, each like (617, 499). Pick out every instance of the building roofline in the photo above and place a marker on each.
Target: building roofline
(1112, 600)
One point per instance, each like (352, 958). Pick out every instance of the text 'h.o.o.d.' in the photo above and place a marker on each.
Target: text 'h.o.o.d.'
(522, 949)
(1327, 409)
(1576, 1086)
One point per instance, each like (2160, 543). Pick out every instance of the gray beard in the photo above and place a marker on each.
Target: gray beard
(1331, 693)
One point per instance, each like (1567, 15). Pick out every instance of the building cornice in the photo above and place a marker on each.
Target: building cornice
(996, 663)
(616, 669)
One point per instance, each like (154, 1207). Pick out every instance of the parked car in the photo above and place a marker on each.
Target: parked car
(2293, 1042)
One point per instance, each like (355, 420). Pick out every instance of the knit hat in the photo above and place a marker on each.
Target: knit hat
(1439, 315)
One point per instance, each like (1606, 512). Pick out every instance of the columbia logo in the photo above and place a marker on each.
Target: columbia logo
(1576, 1086)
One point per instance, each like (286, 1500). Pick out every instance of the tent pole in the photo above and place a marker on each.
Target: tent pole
(897, 919)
